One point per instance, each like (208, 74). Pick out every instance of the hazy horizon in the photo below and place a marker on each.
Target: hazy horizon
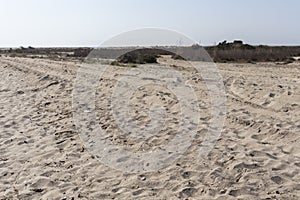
(78, 46)
(89, 23)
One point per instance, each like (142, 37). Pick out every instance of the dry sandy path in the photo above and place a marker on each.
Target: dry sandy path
(42, 156)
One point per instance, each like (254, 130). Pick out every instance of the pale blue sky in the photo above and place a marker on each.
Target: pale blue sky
(90, 22)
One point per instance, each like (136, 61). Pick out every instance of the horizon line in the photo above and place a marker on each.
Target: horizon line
(90, 46)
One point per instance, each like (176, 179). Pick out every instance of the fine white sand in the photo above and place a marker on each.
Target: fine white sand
(42, 156)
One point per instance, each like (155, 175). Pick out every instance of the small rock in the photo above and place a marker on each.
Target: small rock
(271, 95)
(20, 92)
(234, 193)
(276, 179)
(222, 191)
(188, 192)
(186, 174)
(37, 189)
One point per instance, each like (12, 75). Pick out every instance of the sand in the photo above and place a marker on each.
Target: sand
(43, 157)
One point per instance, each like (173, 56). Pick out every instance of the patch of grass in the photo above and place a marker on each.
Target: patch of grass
(116, 63)
(177, 57)
(143, 56)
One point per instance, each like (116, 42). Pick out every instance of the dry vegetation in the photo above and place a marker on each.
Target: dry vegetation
(239, 52)
(236, 51)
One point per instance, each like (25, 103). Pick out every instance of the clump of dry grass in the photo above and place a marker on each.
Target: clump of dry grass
(237, 51)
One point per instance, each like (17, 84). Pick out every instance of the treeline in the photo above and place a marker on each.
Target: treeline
(239, 52)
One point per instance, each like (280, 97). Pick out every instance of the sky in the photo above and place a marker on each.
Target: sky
(67, 23)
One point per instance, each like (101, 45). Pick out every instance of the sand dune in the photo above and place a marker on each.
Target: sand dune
(42, 156)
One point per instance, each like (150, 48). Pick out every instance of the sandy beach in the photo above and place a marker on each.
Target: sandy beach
(42, 156)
